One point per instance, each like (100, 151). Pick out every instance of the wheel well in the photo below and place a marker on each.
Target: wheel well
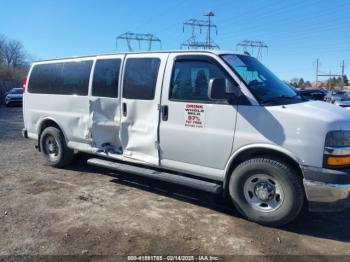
(46, 123)
(260, 152)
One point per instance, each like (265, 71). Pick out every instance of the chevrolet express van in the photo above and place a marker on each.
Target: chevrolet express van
(210, 120)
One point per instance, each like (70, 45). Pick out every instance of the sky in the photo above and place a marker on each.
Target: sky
(296, 31)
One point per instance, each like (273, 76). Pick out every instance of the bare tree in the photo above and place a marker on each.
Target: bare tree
(2, 48)
(14, 54)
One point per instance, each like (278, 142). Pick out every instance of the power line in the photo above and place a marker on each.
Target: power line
(157, 16)
(129, 37)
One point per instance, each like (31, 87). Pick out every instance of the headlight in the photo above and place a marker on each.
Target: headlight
(337, 149)
(338, 138)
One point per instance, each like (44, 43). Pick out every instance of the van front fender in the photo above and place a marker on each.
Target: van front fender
(245, 152)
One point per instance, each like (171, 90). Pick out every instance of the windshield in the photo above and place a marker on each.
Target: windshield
(265, 86)
(344, 97)
(339, 94)
(16, 91)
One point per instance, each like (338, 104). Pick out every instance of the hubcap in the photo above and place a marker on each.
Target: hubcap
(51, 148)
(263, 192)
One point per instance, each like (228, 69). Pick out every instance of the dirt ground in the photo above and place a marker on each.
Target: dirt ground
(89, 210)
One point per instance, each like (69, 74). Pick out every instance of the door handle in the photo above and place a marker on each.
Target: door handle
(124, 109)
(165, 113)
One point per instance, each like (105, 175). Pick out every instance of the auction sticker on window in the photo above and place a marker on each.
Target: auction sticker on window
(195, 115)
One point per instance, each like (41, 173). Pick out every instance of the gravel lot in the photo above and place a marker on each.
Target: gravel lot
(88, 210)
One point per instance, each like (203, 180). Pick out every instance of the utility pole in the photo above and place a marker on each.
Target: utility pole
(129, 37)
(342, 73)
(192, 42)
(209, 14)
(330, 75)
(259, 45)
(317, 73)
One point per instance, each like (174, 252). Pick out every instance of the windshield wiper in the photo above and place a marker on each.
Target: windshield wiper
(273, 99)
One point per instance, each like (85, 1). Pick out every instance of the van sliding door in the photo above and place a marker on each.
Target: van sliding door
(105, 105)
(142, 82)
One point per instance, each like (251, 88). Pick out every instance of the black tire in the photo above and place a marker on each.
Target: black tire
(61, 155)
(288, 206)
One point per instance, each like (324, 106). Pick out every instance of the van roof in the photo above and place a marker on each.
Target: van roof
(216, 52)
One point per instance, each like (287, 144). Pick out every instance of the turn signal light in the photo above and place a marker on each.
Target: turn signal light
(338, 160)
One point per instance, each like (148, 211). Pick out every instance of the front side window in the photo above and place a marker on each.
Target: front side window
(190, 80)
(140, 78)
(264, 85)
(106, 77)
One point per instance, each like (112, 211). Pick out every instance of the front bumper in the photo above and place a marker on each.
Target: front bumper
(9, 100)
(327, 189)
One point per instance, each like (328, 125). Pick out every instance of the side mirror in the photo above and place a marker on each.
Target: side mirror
(222, 89)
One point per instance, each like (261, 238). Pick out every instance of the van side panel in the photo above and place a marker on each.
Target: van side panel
(69, 111)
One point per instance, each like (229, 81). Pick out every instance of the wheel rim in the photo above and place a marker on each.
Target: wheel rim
(263, 192)
(51, 148)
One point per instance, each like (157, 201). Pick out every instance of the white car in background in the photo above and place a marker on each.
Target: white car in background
(342, 99)
(14, 97)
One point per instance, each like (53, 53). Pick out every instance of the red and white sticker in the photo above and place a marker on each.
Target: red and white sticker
(195, 115)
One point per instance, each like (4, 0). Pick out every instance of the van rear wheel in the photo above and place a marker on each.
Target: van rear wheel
(267, 191)
(54, 148)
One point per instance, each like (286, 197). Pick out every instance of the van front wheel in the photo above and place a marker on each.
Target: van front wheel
(54, 148)
(267, 191)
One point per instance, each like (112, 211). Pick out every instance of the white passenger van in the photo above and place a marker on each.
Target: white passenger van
(210, 120)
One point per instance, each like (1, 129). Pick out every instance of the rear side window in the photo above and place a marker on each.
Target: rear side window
(140, 78)
(45, 78)
(69, 78)
(106, 77)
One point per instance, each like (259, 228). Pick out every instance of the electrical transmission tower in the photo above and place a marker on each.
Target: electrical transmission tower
(259, 45)
(129, 37)
(320, 73)
(195, 24)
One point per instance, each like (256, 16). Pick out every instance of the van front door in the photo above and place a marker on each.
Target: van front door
(142, 82)
(196, 134)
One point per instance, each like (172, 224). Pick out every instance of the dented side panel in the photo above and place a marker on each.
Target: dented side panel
(139, 126)
(105, 115)
(104, 121)
(71, 113)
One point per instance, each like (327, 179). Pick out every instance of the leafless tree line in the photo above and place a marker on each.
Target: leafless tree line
(14, 64)
(13, 58)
